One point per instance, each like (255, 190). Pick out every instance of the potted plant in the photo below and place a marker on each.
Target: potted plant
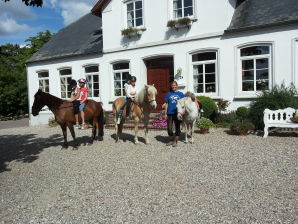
(131, 32)
(171, 23)
(204, 125)
(183, 22)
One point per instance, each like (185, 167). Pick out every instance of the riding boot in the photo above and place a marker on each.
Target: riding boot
(175, 142)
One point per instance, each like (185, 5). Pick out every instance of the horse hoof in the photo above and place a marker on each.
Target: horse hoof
(64, 147)
(75, 148)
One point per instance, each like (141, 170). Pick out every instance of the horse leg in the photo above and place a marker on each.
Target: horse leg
(70, 127)
(64, 131)
(191, 132)
(136, 124)
(146, 121)
(186, 126)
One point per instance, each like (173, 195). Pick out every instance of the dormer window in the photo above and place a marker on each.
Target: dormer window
(183, 8)
(134, 13)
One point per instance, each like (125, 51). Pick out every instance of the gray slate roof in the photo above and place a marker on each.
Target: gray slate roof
(79, 38)
(263, 13)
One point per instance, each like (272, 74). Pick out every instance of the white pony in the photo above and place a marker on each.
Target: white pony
(187, 113)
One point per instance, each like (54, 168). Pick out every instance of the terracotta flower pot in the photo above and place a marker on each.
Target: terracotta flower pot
(204, 130)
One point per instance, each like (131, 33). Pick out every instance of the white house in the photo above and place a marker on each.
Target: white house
(227, 49)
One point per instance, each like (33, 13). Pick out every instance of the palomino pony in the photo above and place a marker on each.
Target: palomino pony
(64, 114)
(187, 113)
(144, 102)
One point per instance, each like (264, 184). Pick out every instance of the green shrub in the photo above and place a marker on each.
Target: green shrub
(204, 123)
(225, 118)
(242, 127)
(242, 113)
(208, 106)
(279, 97)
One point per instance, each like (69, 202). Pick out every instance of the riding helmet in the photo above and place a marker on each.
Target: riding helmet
(82, 80)
(133, 79)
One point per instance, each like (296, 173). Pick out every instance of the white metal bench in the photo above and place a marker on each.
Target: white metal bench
(278, 119)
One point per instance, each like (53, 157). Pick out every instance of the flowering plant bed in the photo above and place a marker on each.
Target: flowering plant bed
(132, 32)
(180, 23)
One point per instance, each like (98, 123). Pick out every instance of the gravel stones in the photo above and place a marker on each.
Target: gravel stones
(221, 178)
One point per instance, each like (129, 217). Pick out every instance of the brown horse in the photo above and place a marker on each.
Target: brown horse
(64, 114)
(140, 109)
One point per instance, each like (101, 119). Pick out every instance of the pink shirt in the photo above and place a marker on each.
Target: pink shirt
(83, 93)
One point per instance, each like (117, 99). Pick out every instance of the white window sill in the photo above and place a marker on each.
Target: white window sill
(245, 97)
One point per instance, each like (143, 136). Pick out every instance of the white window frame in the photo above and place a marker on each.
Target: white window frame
(119, 71)
(43, 79)
(193, 16)
(65, 77)
(91, 82)
(204, 63)
(254, 58)
(134, 12)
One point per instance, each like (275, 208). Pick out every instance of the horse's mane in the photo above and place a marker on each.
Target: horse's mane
(52, 101)
(140, 97)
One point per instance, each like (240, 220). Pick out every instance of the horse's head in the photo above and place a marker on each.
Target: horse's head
(151, 93)
(38, 103)
(181, 108)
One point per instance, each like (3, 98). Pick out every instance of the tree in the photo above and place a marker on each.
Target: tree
(13, 80)
(37, 3)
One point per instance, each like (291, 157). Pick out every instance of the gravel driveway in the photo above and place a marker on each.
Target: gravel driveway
(220, 179)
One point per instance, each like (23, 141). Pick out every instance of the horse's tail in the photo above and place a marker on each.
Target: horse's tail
(101, 122)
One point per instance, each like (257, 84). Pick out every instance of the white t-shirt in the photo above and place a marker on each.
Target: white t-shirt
(130, 90)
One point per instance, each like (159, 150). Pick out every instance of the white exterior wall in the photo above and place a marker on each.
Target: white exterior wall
(76, 64)
(204, 35)
(212, 17)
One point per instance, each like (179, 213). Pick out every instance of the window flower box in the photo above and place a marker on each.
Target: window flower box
(132, 32)
(180, 23)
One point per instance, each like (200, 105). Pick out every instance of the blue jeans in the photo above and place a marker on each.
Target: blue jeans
(82, 106)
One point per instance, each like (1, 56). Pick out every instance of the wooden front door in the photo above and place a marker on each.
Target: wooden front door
(160, 77)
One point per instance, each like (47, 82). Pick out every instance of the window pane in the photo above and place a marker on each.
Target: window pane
(65, 72)
(117, 92)
(95, 78)
(96, 86)
(130, 23)
(177, 4)
(40, 83)
(210, 68)
(139, 13)
(138, 4)
(198, 88)
(262, 85)
(210, 78)
(96, 93)
(210, 88)
(248, 75)
(125, 76)
(47, 90)
(117, 76)
(262, 63)
(178, 13)
(255, 50)
(187, 3)
(206, 56)
(91, 69)
(198, 79)
(63, 94)
(130, 7)
(117, 84)
(120, 66)
(43, 75)
(262, 74)
(63, 82)
(248, 86)
(130, 16)
(188, 11)
(247, 64)
(139, 22)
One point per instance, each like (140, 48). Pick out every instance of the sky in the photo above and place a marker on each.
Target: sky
(18, 22)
